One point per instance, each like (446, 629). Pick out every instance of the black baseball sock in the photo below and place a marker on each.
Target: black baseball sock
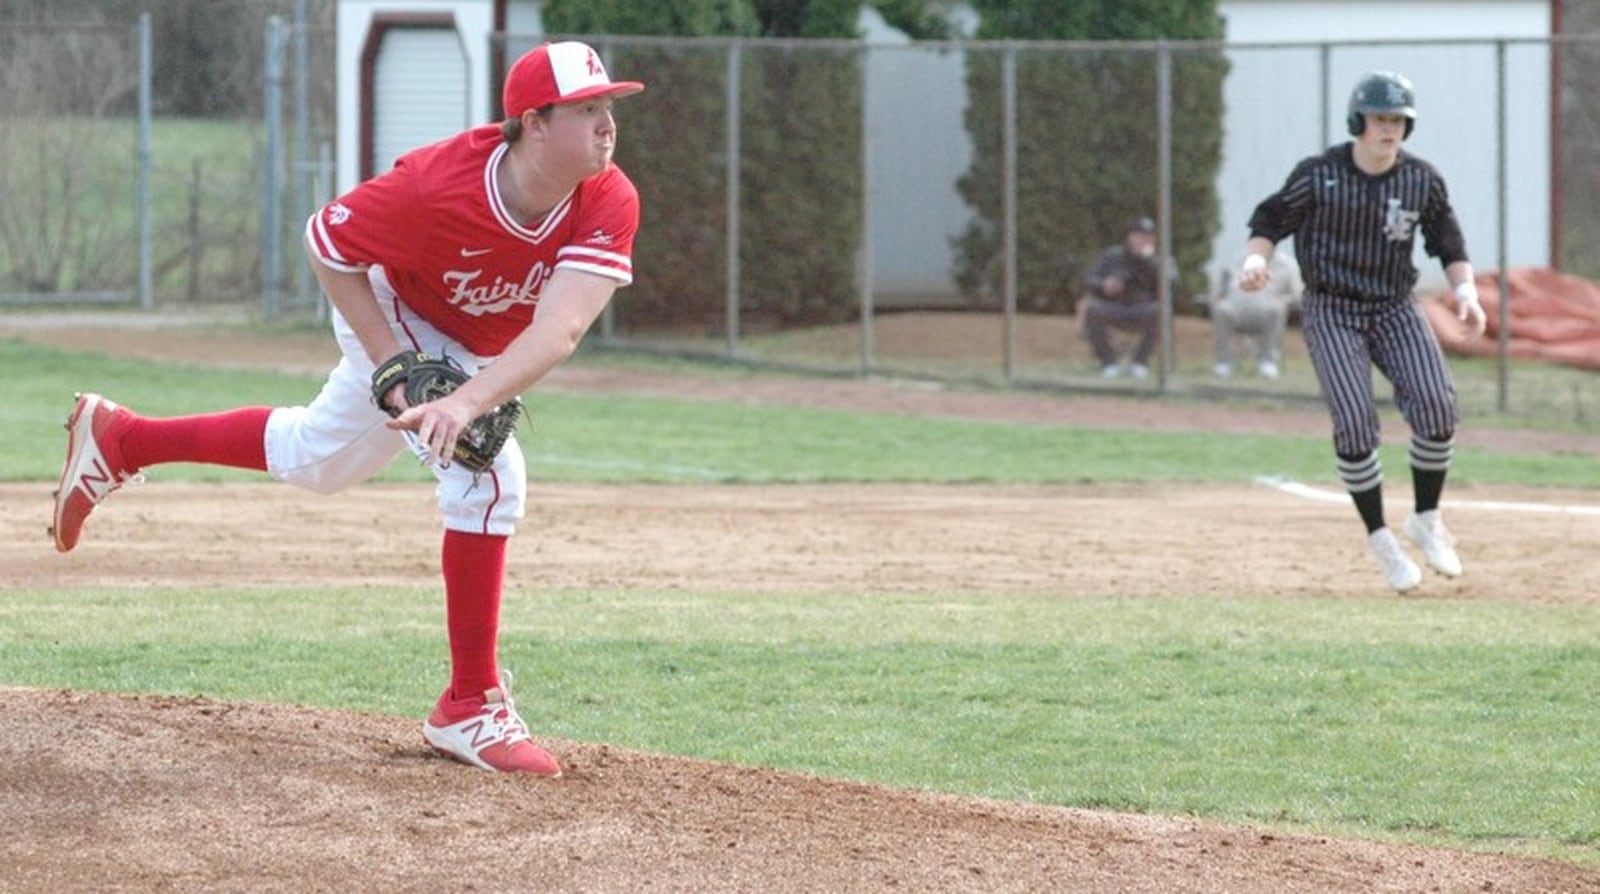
(1363, 478)
(1430, 462)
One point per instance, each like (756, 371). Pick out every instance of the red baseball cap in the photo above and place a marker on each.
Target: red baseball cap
(568, 71)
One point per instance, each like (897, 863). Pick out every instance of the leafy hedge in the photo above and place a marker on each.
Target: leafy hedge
(1086, 131)
(800, 175)
(1087, 152)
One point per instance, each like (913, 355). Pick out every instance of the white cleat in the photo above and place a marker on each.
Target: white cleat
(488, 733)
(1427, 531)
(1398, 569)
(94, 467)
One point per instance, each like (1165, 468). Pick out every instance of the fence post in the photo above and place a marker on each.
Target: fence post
(194, 233)
(1163, 207)
(1008, 197)
(322, 191)
(147, 298)
(864, 259)
(271, 266)
(733, 148)
(302, 141)
(1325, 70)
(1503, 386)
(608, 316)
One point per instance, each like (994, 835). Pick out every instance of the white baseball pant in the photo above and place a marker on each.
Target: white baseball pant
(340, 439)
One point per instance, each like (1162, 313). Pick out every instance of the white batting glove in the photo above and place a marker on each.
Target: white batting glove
(1253, 272)
(1468, 308)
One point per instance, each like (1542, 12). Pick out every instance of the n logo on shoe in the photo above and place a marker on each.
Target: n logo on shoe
(481, 734)
(97, 483)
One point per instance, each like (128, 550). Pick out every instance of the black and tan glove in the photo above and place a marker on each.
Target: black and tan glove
(428, 378)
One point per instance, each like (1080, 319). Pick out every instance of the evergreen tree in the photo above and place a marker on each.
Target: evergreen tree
(800, 176)
(677, 163)
(1087, 153)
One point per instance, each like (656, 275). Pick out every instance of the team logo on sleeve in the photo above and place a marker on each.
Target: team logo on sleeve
(338, 214)
(1398, 223)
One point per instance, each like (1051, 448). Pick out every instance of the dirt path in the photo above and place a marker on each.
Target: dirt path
(1060, 540)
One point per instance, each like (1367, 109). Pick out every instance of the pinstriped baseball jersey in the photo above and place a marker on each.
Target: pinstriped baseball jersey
(1354, 232)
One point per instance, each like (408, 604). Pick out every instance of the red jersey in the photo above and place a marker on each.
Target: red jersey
(451, 249)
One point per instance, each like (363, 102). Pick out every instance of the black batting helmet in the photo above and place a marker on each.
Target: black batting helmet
(1381, 93)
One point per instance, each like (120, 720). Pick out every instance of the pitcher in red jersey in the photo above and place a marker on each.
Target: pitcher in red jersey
(497, 247)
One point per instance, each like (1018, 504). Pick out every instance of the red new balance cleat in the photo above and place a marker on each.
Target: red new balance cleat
(487, 733)
(94, 466)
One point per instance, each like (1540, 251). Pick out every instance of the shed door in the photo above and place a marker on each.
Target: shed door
(419, 91)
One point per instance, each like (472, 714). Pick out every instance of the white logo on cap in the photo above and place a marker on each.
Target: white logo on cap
(576, 66)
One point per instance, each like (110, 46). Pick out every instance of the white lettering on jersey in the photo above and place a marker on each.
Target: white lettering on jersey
(1398, 222)
(470, 297)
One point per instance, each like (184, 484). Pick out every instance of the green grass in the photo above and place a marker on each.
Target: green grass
(1454, 724)
(1451, 723)
(596, 437)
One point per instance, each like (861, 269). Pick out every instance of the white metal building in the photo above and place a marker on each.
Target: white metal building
(413, 71)
(1265, 99)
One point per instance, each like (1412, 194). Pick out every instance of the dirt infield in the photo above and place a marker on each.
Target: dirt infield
(146, 793)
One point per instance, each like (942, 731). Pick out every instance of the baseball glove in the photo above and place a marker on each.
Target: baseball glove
(428, 378)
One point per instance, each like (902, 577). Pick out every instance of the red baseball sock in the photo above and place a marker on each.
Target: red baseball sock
(232, 438)
(474, 576)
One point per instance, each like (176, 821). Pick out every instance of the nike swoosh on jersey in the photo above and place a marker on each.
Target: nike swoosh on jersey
(470, 253)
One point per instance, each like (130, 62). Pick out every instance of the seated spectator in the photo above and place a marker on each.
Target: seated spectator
(1122, 294)
(1261, 316)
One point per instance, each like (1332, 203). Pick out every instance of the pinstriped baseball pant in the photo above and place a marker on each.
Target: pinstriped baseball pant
(1346, 337)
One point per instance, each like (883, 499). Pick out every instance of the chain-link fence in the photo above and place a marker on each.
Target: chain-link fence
(925, 209)
(297, 167)
(930, 210)
(69, 162)
(111, 199)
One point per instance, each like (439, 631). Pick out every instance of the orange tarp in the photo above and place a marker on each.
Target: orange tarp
(1554, 317)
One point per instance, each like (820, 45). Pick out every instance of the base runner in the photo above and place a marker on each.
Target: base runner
(1354, 211)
